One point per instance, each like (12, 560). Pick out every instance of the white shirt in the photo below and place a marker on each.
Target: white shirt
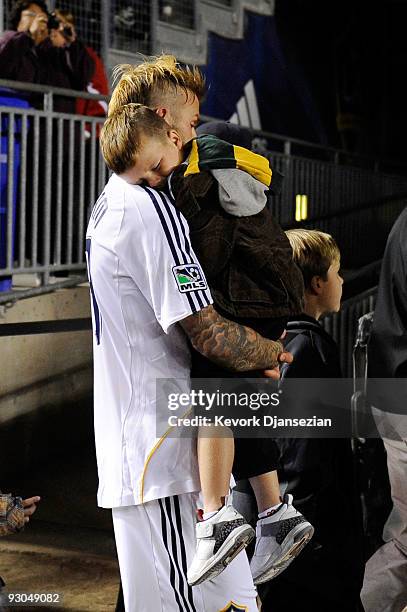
(144, 277)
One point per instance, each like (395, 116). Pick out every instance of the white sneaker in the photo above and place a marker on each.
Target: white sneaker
(279, 538)
(219, 539)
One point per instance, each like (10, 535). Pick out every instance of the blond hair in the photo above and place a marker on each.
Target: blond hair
(153, 81)
(121, 137)
(313, 252)
(65, 16)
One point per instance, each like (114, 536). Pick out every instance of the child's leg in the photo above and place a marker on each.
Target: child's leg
(224, 532)
(215, 460)
(282, 531)
(266, 488)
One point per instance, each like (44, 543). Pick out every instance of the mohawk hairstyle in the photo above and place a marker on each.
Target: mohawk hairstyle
(148, 82)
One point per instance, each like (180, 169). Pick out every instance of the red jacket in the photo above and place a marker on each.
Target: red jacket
(98, 84)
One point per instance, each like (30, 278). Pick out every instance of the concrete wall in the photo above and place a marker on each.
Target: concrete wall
(46, 416)
(191, 46)
(45, 369)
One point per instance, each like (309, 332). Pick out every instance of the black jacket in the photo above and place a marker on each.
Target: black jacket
(387, 348)
(69, 67)
(315, 351)
(328, 573)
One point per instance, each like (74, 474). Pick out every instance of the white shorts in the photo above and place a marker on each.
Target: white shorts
(155, 544)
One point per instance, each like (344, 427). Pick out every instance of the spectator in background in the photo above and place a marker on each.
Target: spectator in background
(28, 53)
(385, 585)
(98, 83)
(14, 515)
(39, 49)
(19, 46)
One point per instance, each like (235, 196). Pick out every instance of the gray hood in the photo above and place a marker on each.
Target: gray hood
(240, 194)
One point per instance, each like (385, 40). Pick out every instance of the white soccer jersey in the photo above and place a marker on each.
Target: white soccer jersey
(144, 277)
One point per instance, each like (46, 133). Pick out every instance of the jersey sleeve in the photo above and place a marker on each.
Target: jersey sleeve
(154, 244)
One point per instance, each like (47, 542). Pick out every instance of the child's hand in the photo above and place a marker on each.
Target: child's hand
(30, 506)
(274, 373)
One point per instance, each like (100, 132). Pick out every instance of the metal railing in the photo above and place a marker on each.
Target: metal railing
(358, 206)
(354, 198)
(51, 174)
(330, 188)
(343, 326)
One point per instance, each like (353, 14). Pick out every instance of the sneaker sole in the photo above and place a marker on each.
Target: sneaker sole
(231, 547)
(293, 546)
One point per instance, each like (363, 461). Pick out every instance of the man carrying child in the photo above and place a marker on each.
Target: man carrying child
(135, 241)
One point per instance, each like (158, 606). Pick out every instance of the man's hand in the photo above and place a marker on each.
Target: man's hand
(284, 357)
(230, 345)
(30, 506)
(39, 28)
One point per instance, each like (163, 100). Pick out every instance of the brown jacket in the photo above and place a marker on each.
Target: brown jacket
(247, 260)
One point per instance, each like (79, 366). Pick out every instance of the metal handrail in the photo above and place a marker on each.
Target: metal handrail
(8, 298)
(343, 326)
(47, 89)
(32, 112)
(334, 152)
(337, 154)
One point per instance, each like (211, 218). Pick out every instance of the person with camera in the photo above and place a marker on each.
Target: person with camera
(19, 59)
(98, 83)
(30, 52)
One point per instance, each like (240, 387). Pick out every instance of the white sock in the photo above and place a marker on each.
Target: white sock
(208, 515)
(265, 512)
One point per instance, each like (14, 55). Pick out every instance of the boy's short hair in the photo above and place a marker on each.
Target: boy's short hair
(148, 83)
(122, 133)
(313, 252)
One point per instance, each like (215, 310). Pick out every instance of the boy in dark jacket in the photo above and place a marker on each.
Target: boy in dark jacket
(319, 472)
(248, 264)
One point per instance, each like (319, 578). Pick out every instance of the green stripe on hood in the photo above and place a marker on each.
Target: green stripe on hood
(211, 153)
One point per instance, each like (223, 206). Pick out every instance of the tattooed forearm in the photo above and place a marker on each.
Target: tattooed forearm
(229, 344)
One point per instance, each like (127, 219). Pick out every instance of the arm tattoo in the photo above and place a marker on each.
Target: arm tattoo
(229, 344)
